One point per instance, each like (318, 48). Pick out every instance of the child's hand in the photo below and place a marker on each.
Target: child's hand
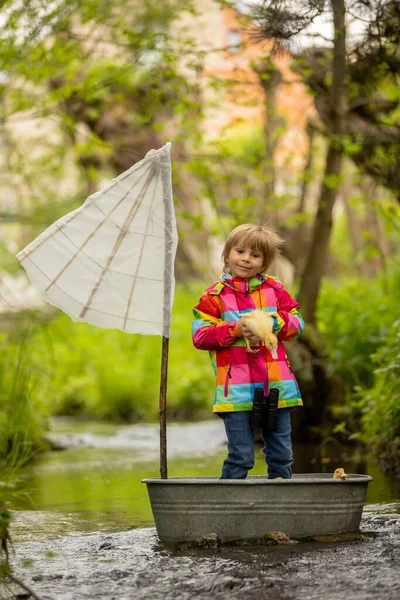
(245, 332)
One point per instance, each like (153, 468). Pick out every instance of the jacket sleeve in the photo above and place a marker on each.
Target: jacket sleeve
(289, 323)
(209, 332)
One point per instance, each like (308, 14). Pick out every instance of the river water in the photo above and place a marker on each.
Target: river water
(87, 530)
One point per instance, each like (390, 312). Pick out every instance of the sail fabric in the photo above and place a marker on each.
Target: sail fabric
(110, 263)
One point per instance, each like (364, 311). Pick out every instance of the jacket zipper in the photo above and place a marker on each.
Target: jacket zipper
(226, 386)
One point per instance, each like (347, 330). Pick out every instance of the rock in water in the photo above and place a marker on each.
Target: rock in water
(210, 540)
(278, 537)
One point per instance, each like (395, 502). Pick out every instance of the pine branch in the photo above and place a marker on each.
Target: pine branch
(281, 22)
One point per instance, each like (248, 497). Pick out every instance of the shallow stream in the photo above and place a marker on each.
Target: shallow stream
(87, 530)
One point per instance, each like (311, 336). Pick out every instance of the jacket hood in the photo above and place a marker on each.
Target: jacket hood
(243, 286)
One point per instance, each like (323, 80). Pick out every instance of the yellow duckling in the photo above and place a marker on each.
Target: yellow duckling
(339, 474)
(260, 324)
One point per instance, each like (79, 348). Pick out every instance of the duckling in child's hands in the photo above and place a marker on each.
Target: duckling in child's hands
(339, 474)
(260, 324)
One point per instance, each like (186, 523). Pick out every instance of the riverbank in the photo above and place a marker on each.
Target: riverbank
(132, 564)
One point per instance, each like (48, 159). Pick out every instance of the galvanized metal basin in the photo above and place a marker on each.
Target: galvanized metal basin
(186, 508)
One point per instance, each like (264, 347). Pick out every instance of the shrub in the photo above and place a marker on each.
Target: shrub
(108, 374)
(23, 417)
(380, 405)
(355, 317)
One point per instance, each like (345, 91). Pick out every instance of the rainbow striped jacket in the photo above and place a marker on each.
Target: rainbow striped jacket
(238, 372)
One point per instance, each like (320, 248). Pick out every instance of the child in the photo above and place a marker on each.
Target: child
(218, 326)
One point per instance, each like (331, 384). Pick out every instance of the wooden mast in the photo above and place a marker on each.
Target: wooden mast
(169, 221)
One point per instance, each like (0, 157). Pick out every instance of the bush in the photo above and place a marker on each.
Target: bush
(355, 317)
(380, 405)
(359, 323)
(107, 374)
(23, 416)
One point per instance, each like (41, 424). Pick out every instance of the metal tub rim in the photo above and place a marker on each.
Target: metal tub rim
(298, 478)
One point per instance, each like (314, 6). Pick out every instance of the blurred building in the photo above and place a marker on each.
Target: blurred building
(232, 92)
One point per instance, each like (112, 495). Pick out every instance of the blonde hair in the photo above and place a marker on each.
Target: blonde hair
(259, 238)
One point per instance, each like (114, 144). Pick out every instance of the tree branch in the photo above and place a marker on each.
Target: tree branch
(24, 586)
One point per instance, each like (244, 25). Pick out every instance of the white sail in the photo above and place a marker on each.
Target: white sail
(111, 262)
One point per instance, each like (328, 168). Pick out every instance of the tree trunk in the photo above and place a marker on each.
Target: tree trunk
(353, 223)
(318, 253)
(374, 235)
(302, 227)
(270, 77)
(301, 209)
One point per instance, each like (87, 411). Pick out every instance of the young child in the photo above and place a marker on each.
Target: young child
(219, 327)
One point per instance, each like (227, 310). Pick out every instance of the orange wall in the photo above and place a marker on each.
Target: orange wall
(244, 101)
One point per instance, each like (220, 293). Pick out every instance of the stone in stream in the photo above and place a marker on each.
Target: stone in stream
(210, 540)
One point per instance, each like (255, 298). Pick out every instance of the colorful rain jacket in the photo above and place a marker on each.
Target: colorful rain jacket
(238, 372)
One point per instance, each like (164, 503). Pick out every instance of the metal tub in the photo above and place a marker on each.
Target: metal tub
(186, 508)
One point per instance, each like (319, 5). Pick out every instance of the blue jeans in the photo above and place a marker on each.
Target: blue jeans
(277, 446)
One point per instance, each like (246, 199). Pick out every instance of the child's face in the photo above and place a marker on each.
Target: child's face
(244, 262)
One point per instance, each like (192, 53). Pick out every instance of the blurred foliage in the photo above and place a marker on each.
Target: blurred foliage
(360, 324)
(23, 413)
(371, 125)
(22, 424)
(380, 404)
(355, 316)
(96, 84)
(77, 369)
(231, 170)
